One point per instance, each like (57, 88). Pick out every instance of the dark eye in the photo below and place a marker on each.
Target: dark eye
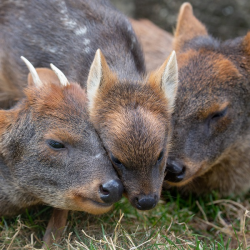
(160, 156)
(55, 144)
(216, 116)
(115, 160)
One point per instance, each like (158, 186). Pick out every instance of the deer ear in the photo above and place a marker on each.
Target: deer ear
(246, 43)
(45, 75)
(167, 78)
(188, 27)
(99, 77)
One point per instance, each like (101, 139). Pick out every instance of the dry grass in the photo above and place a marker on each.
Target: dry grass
(177, 223)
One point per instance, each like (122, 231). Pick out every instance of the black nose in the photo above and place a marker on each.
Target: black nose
(146, 202)
(175, 170)
(111, 191)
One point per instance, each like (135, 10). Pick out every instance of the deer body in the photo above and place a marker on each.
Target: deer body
(156, 42)
(66, 33)
(129, 110)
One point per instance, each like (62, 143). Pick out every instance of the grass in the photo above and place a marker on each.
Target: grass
(176, 223)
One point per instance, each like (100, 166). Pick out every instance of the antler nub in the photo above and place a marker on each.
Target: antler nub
(33, 72)
(62, 78)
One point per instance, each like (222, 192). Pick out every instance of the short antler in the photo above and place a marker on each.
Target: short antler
(33, 72)
(62, 78)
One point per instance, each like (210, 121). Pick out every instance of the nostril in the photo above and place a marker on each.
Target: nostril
(103, 190)
(111, 191)
(174, 166)
(156, 197)
(146, 202)
(175, 170)
(136, 202)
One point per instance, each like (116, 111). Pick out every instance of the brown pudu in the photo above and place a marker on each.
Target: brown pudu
(211, 123)
(50, 153)
(130, 113)
(131, 119)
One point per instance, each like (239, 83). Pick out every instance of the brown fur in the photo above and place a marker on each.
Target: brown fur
(74, 30)
(136, 114)
(32, 172)
(185, 30)
(212, 146)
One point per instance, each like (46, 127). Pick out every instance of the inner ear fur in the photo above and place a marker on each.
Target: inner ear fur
(45, 75)
(165, 79)
(188, 27)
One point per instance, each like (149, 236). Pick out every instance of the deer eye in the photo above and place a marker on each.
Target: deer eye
(55, 144)
(115, 160)
(217, 115)
(160, 156)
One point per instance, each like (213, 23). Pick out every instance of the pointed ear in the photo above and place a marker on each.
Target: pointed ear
(188, 27)
(45, 75)
(246, 43)
(167, 78)
(99, 77)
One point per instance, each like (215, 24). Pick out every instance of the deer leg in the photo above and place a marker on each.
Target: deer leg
(55, 227)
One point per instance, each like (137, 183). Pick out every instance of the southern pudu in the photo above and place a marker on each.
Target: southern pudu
(129, 110)
(50, 153)
(210, 147)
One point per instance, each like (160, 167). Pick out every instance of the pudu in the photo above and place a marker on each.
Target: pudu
(50, 153)
(211, 123)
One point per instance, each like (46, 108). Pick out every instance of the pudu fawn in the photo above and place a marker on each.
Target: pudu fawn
(130, 112)
(51, 154)
(211, 123)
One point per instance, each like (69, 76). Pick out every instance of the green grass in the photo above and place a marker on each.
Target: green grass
(176, 223)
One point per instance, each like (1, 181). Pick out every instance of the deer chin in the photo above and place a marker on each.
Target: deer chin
(91, 206)
(84, 202)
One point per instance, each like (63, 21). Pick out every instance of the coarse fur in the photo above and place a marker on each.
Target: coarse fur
(136, 114)
(129, 110)
(31, 171)
(66, 33)
(211, 122)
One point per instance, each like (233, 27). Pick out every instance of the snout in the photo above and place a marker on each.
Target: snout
(145, 202)
(175, 170)
(111, 191)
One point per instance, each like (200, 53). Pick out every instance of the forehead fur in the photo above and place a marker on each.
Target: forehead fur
(136, 114)
(57, 101)
(127, 94)
(141, 130)
(204, 68)
(206, 75)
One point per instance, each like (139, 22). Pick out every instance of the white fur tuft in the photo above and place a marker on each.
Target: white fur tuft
(94, 78)
(170, 79)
